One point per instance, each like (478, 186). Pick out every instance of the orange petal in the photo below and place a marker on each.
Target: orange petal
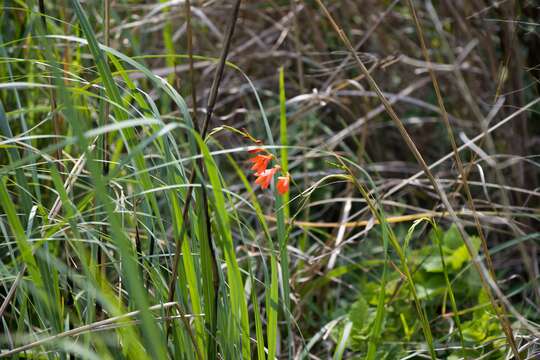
(260, 163)
(263, 180)
(283, 185)
(265, 177)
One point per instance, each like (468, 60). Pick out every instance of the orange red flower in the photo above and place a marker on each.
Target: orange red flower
(283, 184)
(264, 175)
(264, 178)
(260, 163)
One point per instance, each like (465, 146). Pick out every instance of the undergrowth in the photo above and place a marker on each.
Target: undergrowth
(172, 187)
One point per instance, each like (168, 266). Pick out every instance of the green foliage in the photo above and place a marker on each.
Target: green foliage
(481, 328)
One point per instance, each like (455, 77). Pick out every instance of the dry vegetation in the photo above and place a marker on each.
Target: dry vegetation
(131, 224)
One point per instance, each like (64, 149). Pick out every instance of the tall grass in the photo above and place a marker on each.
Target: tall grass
(131, 226)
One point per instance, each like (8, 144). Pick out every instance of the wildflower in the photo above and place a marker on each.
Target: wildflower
(260, 163)
(265, 177)
(283, 184)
